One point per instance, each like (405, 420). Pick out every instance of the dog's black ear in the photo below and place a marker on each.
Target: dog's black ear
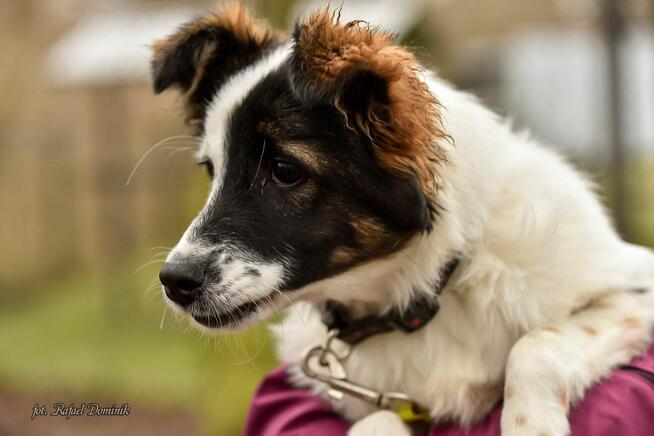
(203, 53)
(378, 87)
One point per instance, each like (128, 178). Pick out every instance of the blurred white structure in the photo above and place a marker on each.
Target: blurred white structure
(392, 15)
(110, 47)
(113, 46)
(555, 81)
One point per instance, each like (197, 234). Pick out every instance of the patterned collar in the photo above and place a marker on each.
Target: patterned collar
(417, 315)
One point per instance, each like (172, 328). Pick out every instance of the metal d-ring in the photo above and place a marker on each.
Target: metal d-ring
(331, 335)
(338, 384)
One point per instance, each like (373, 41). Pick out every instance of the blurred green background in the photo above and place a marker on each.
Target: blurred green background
(81, 316)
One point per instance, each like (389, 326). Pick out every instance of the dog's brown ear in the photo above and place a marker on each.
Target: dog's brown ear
(377, 86)
(203, 53)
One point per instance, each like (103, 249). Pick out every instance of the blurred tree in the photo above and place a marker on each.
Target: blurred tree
(612, 25)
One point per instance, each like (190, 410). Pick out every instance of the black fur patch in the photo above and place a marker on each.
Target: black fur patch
(249, 271)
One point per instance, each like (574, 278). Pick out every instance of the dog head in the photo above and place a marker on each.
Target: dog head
(322, 152)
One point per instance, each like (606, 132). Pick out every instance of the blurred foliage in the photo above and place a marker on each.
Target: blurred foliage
(640, 212)
(639, 181)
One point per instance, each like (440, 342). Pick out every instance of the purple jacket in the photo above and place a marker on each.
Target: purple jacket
(622, 405)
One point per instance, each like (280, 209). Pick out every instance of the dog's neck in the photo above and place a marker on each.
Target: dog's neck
(390, 284)
(422, 309)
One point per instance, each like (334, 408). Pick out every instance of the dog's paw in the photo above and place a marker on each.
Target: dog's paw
(519, 420)
(382, 423)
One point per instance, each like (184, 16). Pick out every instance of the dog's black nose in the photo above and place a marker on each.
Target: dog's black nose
(181, 281)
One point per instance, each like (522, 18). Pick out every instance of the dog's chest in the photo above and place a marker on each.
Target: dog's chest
(453, 370)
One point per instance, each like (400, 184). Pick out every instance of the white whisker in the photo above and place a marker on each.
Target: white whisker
(263, 150)
(163, 317)
(146, 264)
(177, 150)
(150, 150)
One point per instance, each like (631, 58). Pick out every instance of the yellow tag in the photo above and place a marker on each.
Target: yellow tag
(409, 413)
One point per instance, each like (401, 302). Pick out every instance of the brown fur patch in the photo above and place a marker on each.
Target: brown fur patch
(309, 157)
(405, 141)
(370, 233)
(589, 330)
(302, 197)
(631, 322)
(563, 398)
(342, 256)
(520, 420)
(372, 238)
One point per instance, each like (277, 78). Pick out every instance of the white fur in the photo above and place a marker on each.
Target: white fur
(270, 276)
(381, 423)
(537, 250)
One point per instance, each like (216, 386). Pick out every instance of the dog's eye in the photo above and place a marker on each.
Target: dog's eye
(285, 173)
(208, 165)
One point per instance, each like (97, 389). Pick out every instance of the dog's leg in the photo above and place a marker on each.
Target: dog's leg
(382, 423)
(549, 369)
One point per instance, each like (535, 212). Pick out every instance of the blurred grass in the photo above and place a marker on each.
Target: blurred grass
(639, 184)
(67, 341)
(640, 216)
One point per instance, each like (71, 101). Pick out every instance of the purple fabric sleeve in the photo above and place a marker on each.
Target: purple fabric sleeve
(623, 404)
(278, 409)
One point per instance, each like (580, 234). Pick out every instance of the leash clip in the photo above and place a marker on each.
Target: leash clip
(324, 364)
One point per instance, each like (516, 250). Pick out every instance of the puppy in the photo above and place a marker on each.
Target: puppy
(343, 171)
